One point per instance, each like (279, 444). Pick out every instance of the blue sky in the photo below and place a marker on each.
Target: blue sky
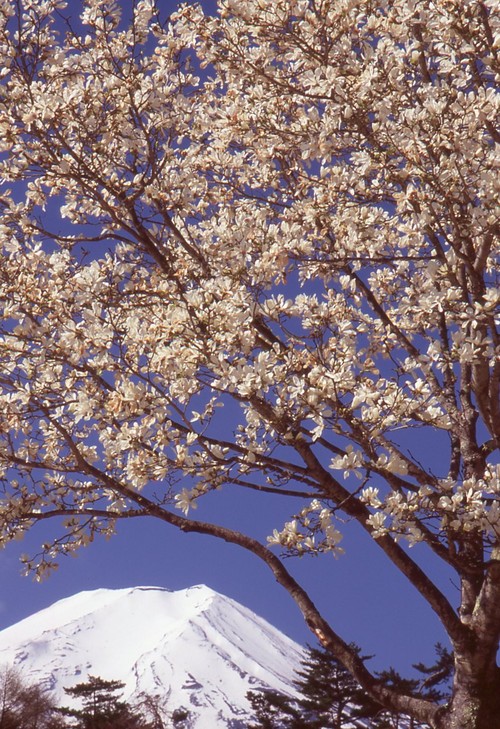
(364, 598)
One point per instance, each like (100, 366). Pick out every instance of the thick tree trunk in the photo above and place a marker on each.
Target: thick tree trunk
(470, 712)
(475, 704)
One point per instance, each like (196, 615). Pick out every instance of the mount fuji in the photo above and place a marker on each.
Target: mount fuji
(192, 648)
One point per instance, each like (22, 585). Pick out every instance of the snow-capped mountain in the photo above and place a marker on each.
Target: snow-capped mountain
(193, 648)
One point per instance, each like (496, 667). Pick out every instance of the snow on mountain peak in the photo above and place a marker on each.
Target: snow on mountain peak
(194, 648)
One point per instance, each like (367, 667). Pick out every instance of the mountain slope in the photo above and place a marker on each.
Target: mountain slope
(194, 648)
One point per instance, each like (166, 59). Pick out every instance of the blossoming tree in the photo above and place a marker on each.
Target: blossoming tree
(259, 251)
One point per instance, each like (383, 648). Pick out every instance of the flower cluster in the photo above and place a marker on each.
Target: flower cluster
(259, 250)
(311, 532)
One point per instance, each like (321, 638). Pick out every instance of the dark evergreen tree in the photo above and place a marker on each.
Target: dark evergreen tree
(437, 674)
(330, 698)
(102, 708)
(272, 709)
(391, 719)
(434, 686)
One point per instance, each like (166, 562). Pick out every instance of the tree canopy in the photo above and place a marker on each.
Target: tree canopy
(24, 705)
(259, 250)
(329, 697)
(101, 707)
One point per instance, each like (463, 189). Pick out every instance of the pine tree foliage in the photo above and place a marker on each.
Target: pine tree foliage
(329, 696)
(101, 706)
(272, 709)
(438, 673)
(24, 705)
(396, 719)
(434, 685)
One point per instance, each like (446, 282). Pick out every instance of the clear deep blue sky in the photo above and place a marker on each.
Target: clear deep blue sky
(363, 596)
